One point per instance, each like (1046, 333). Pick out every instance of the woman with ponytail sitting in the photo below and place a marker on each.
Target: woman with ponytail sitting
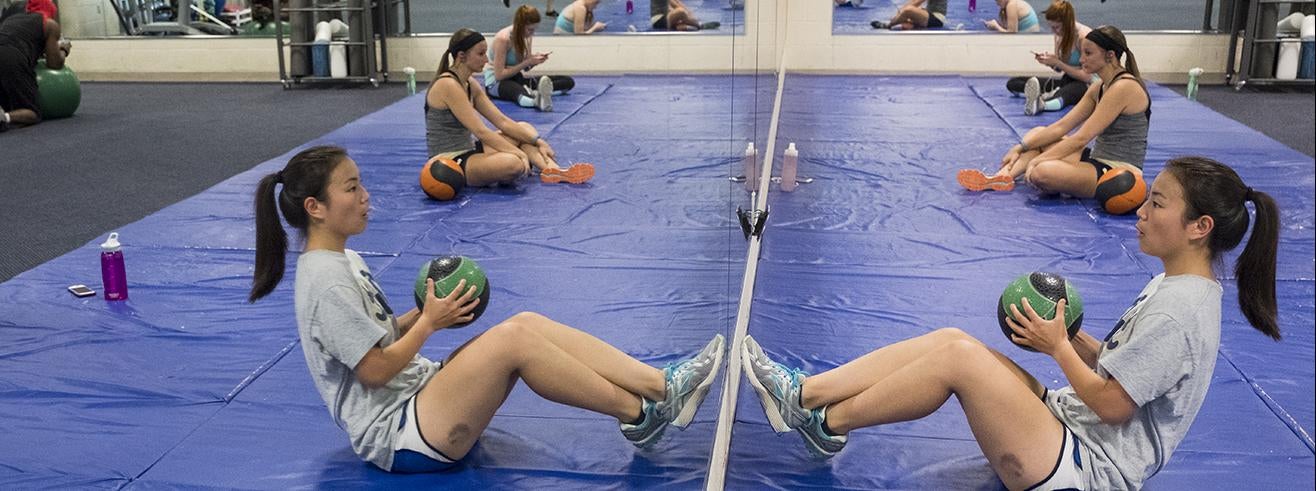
(1115, 112)
(1131, 396)
(402, 411)
(1056, 93)
(454, 105)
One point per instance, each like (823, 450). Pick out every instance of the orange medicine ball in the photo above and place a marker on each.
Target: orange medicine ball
(1121, 191)
(442, 178)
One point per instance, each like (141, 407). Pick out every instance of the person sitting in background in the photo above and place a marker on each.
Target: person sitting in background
(578, 18)
(24, 38)
(1016, 16)
(916, 14)
(512, 56)
(673, 15)
(1054, 94)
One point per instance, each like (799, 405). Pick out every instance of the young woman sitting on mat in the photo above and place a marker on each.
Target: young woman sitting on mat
(1114, 111)
(1131, 396)
(1015, 16)
(1054, 94)
(512, 56)
(453, 107)
(402, 411)
(916, 14)
(578, 18)
(673, 15)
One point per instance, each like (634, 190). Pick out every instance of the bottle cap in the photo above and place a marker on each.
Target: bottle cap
(111, 244)
(791, 148)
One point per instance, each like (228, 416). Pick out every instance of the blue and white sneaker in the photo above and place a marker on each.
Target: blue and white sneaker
(689, 381)
(778, 387)
(820, 444)
(649, 430)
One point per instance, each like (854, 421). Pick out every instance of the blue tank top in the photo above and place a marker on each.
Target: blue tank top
(566, 24)
(1028, 23)
(490, 79)
(1073, 58)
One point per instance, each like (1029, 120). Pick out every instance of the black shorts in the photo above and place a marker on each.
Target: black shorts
(934, 20)
(18, 81)
(660, 22)
(1101, 167)
(461, 158)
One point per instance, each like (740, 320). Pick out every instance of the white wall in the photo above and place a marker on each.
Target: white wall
(801, 28)
(87, 18)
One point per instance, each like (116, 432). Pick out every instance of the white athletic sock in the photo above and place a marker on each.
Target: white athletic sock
(1053, 104)
(525, 101)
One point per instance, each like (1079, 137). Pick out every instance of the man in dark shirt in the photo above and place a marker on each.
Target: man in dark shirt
(24, 38)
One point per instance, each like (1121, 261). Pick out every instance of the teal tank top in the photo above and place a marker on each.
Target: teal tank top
(1029, 22)
(490, 79)
(566, 24)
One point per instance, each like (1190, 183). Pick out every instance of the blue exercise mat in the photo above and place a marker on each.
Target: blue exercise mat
(187, 385)
(884, 245)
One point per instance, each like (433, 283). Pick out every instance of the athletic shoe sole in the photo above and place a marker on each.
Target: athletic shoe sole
(576, 174)
(769, 401)
(1032, 97)
(691, 406)
(544, 94)
(975, 180)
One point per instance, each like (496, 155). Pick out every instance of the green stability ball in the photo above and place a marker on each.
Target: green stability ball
(1042, 290)
(446, 271)
(58, 91)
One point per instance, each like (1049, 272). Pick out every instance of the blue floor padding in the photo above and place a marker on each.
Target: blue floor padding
(187, 385)
(884, 245)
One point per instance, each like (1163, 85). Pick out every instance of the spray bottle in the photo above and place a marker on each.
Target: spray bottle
(1191, 91)
(789, 165)
(751, 168)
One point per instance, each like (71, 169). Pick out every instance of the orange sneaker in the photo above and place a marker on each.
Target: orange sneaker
(576, 174)
(975, 180)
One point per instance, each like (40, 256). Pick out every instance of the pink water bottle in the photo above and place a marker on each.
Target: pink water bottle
(630, 7)
(973, 5)
(113, 275)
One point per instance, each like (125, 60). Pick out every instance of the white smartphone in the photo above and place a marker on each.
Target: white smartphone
(81, 291)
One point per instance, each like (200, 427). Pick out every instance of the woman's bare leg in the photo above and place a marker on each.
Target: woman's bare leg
(1014, 428)
(456, 406)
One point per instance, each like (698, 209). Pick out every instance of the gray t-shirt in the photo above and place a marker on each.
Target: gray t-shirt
(341, 315)
(1163, 352)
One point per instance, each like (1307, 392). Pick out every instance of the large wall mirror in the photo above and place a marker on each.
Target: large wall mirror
(109, 18)
(875, 16)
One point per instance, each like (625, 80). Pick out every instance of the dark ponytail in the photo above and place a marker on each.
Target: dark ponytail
(454, 47)
(1213, 189)
(1114, 34)
(306, 175)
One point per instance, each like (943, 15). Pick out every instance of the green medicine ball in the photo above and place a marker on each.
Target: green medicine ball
(1043, 291)
(447, 271)
(58, 91)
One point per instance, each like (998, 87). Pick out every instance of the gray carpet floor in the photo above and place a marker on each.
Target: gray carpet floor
(1287, 114)
(135, 148)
